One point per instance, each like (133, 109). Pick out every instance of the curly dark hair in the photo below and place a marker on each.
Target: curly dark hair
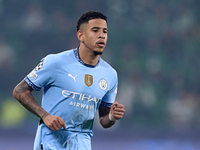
(88, 16)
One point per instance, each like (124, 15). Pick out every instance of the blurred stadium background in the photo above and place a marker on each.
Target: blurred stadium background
(153, 44)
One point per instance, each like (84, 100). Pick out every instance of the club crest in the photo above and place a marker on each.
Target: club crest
(103, 84)
(88, 80)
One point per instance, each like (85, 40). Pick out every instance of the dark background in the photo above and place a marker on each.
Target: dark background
(153, 44)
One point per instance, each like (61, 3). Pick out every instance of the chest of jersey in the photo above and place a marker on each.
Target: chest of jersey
(82, 83)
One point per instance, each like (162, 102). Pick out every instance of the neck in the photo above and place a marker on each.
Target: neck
(88, 56)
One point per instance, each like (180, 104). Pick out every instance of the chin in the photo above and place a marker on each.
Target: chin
(98, 52)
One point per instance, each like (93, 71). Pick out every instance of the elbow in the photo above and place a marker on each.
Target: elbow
(105, 125)
(15, 94)
(108, 125)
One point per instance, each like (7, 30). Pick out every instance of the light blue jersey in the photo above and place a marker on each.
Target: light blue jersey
(74, 91)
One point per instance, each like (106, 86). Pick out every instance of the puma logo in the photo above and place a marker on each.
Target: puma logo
(72, 77)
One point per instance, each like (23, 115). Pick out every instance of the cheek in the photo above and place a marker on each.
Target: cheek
(87, 41)
(90, 40)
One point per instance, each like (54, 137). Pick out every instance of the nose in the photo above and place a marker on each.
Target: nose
(102, 34)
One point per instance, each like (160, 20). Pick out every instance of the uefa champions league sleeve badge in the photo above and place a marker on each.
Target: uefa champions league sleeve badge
(39, 66)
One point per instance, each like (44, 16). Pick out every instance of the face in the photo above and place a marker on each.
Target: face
(94, 35)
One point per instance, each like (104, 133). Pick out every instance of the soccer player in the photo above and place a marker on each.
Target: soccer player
(75, 84)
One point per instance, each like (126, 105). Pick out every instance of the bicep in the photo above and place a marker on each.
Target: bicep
(22, 87)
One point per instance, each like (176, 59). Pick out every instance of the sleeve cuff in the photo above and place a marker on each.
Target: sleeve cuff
(31, 84)
(106, 104)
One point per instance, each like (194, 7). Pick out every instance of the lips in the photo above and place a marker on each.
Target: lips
(101, 43)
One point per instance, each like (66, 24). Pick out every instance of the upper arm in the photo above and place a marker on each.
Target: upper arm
(22, 87)
(44, 73)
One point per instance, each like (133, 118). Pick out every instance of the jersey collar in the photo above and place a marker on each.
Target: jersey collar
(79, 59)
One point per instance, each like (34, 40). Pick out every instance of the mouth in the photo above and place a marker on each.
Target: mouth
(101, 43)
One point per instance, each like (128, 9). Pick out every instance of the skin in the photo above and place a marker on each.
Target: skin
(93, 39)
(90, 35)
(22, 92)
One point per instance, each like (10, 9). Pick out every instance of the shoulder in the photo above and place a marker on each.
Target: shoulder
(61, 54)
(55, 58)
(108, 67)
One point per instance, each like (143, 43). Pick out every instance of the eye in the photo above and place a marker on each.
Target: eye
(95, 30)
(105, 31)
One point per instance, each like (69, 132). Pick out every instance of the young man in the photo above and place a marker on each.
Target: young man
(75, 84)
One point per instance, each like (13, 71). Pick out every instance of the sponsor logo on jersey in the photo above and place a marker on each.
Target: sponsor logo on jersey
(81, 105)
(39, 66)
(81, 100)
(80, 96)
(103, 84)
(88, 80)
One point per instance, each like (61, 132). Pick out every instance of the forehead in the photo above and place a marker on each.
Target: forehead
(100, 23)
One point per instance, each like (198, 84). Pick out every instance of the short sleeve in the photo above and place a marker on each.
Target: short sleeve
(43, 74)
(110, 96)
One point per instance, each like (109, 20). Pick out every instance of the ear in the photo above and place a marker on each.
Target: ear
(80, 36)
